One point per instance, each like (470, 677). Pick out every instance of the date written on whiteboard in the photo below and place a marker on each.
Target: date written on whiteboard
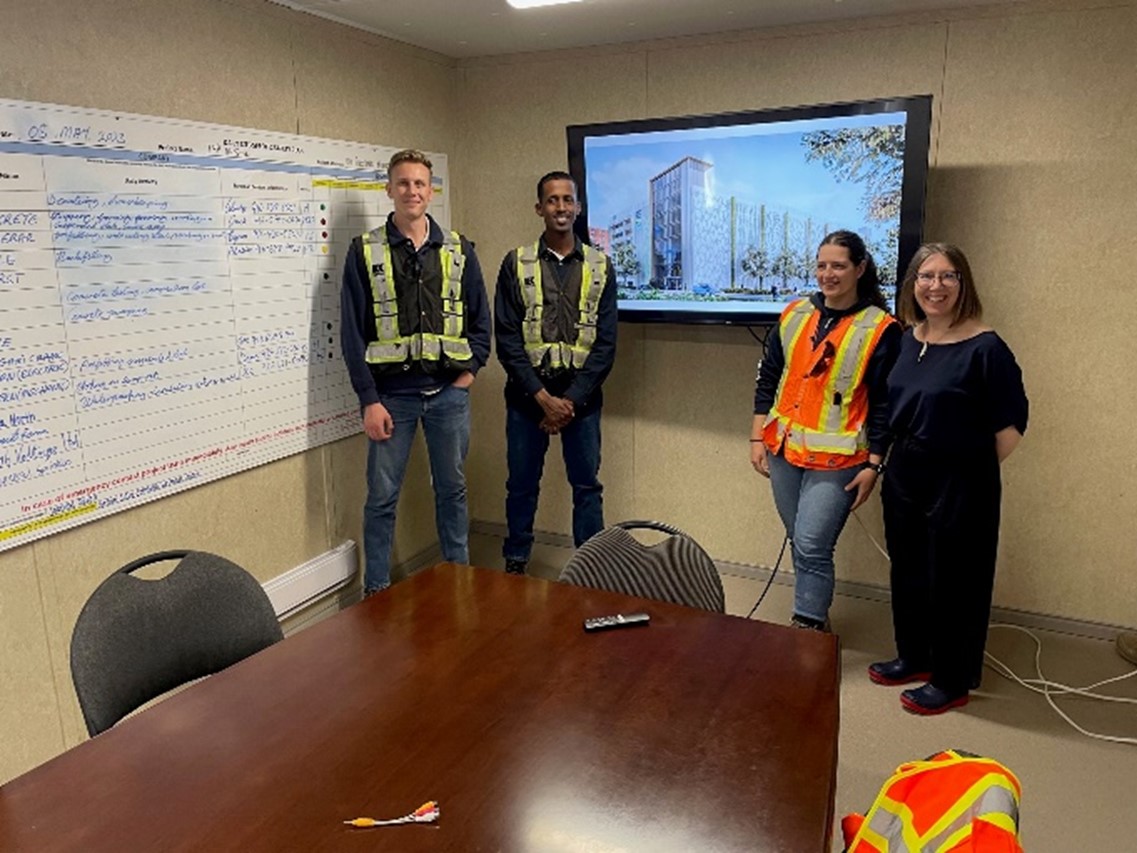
(75, 133)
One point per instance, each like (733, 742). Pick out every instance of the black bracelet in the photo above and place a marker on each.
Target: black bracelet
(875, 466)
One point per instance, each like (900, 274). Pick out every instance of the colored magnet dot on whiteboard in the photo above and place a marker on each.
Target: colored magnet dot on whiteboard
(324, 249)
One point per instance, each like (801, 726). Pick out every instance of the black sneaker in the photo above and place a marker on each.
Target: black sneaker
(810, 624)
(515, 567)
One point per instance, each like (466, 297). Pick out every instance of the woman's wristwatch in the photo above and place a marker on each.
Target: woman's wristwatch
(875, 466)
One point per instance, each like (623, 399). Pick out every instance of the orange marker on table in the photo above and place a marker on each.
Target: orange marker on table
(428, 812)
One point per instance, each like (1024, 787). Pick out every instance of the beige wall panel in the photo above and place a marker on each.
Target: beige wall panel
(352, 85)
(809, 68)
(29, 709)
(485, 464)
(1035, 181)
(513, 131)
(619, 434)
(346, 463)
(692, 457)
(212, 61)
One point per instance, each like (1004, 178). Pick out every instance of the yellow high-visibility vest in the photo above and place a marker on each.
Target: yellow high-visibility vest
(561, 354)
(391, 347)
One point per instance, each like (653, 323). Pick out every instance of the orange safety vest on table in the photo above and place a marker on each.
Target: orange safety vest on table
(821, 405)
(951, 803)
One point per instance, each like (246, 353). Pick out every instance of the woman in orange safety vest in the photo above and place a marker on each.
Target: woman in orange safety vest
(820, 427)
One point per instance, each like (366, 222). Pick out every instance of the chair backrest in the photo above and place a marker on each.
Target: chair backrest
(136, 639)
(676, 569)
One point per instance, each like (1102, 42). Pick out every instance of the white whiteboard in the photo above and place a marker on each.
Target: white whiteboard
(169, 304)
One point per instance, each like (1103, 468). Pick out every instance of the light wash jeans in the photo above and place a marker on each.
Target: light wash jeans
(445, 417)
(814, 506)
(526, 445)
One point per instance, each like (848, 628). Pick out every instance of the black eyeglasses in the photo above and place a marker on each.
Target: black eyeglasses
(949, 278)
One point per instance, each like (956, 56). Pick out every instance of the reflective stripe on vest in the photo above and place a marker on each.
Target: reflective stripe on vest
(561, 354)
(833, 433)
(390, 347)
(939, 805)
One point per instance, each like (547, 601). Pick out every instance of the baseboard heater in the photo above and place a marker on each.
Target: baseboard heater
(305, 584)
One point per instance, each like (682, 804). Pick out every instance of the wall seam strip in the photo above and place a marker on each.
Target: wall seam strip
(52, 663)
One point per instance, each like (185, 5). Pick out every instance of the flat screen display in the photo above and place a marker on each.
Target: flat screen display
(717, 218)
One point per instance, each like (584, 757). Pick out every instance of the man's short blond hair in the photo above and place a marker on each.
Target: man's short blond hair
(409, 155)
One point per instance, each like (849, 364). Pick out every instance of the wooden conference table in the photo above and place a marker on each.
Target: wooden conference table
(480, 690)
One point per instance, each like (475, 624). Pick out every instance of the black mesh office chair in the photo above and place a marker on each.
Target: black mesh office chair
(136, 639)
(675, 570)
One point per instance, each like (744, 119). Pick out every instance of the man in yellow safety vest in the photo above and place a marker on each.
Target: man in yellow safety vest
(415, 330)
(555, 327)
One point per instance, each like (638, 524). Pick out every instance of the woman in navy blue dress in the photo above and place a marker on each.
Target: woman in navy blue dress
(957, 410)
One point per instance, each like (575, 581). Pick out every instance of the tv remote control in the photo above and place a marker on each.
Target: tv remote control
(603, 623)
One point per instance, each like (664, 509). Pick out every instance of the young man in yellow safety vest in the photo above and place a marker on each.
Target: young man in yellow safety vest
(555, 327)
(415, 330)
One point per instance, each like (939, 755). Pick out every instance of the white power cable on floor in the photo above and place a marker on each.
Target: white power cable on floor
(872, 539)
(1049, 689)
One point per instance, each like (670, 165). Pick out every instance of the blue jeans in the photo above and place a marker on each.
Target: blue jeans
(814, 506)
(445, 417)
(526, 445)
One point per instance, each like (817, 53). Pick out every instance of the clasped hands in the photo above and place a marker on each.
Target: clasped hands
(558, 411)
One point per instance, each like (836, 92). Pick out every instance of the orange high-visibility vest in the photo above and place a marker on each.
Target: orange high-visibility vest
(820, 408)
(951, 803)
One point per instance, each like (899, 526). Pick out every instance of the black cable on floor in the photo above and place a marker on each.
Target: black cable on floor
(770, 580)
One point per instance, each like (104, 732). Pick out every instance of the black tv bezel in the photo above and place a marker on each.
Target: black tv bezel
(917, 140)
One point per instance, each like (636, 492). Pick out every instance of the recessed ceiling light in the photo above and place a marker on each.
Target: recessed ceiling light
(530, 4)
